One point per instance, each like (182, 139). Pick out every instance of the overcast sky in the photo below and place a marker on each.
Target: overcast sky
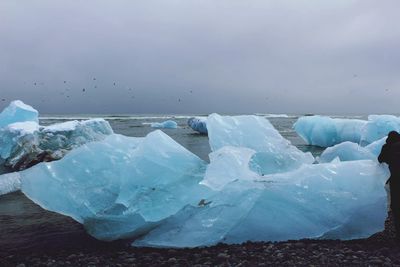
(201, 56)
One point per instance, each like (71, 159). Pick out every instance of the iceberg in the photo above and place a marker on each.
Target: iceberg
(257, 187)
(342, 200)
(325, 132)
(198, 124)
(17, 111)
(273, 152)
(10, 182)
(348, 151)
(120, 187)
(227, 165)
(379, 126)
(166, 124)
(23, 144)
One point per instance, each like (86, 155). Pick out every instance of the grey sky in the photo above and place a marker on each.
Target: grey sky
(201, 56)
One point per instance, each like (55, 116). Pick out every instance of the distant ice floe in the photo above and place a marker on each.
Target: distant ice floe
(272, 115)
(198, 124)
(325, 132)
(257, 187)
(169, 124)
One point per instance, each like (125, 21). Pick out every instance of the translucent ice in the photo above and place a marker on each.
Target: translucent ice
(379, 126)
(17, 111)
(23, 144)
(166, 124)
(257, 187)
(273, 152)
(119, 187)
(229, 164)
(337, 200)
(9, 182)
(351, 151)
(324, 131)
(199, 124)
(346, 151)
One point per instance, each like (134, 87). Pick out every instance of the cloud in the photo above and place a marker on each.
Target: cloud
(201, 56)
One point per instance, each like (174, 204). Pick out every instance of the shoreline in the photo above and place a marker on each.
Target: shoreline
(64, 242)
(304, 252)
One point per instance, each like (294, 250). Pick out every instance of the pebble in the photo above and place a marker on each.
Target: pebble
(379, 250)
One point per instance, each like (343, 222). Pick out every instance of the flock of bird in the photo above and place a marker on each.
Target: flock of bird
(67, 92)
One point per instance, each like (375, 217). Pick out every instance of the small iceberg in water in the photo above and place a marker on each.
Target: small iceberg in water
(325, 132)
(169, 124)
(198, 124)
(24, 143)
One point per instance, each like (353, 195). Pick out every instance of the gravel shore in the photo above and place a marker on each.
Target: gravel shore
(378, 250)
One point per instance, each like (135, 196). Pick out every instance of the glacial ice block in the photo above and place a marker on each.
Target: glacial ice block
(379, 126)
(23, 144)
(347, 151)
(120, 187)
(198, 124)
(341, 200)
(325, 132)
(229, 164)
(169, 124)
(17, 111)
(273, 152)
(9, 182)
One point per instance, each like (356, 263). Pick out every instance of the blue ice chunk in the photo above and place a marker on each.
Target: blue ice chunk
(324, 131)
(119, 187)
(17, 111)
(169, 124)
(198, 124)
(10, 182)
(376, 147)
(317, 200)
(273, 152)
(379, 126)
(347, 151)
(229, 164)
(16, 137)
(23, 143)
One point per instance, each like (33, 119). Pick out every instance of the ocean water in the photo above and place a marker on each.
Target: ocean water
(24, 225)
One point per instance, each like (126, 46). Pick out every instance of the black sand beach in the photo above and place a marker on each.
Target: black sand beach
(60, 241)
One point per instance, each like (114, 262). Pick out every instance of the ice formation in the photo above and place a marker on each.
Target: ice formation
(9, 182)
(347, 151)
(17, 111)
(256, 187)
(169, 124)
(198, 124)
(119, 187)
(379, 126)
(24, 144)
(341, 200)
(273, 152)
(325, 131)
